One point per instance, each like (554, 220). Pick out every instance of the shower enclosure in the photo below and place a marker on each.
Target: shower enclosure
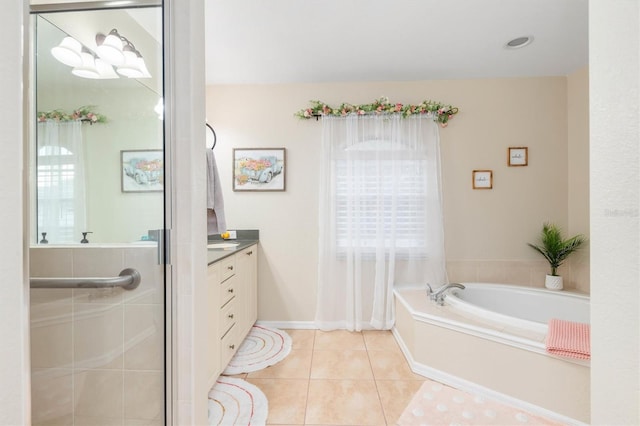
(99, 293)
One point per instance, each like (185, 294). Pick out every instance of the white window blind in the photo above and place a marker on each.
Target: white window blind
(381, 202)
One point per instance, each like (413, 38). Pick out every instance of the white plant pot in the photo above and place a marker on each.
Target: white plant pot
(553, 282)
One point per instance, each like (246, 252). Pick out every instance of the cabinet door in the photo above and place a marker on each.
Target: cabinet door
(213, 315)
(247, 264)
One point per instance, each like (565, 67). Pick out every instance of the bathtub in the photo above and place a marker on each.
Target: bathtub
(524, 307)
(489, 339)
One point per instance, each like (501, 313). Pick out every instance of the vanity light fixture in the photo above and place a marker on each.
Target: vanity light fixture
(113, 50)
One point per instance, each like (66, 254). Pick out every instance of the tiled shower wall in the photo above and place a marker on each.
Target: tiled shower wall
(97, 355)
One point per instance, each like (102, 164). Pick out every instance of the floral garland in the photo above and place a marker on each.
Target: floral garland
(84, 113)
(440, 112)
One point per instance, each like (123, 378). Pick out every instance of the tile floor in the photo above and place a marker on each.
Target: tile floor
(338, 378)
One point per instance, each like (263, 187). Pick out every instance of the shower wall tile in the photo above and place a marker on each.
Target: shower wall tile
(151, 288)
(50, 262)
(143, 395)
(104, 336)
(97, 262)
(51, 335)
(98, 397)
(51, 401)
(144, 337)
(98, 336)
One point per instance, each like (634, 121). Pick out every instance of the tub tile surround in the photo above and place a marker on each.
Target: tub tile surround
(529, 273)
(97, 354)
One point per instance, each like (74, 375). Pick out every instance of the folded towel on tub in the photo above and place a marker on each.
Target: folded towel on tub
(569, 339)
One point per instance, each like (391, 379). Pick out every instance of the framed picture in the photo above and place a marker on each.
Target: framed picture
(518, 156)
(142, 171)
(259, 169)
(482, 179)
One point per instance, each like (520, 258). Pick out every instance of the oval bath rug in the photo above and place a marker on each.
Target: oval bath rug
(234, 401)
(263, 346)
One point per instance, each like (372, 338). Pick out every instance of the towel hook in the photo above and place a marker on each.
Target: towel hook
(211, 136)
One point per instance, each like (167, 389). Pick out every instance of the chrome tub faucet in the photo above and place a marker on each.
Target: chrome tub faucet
(441, 292)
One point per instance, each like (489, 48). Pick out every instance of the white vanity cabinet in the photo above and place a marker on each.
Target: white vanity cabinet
(232, 306)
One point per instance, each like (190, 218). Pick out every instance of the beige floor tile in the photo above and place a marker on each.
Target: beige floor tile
(339, 339)
(301, 339)
(297, 365)
(395, 395)
(338, 364)
(343, 402)
(287, 399)
(391, 365)
(380, 340)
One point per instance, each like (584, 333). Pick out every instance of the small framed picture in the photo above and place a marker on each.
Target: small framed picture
(142, 170)
(482, 179)
(259, 169)
(518, 156)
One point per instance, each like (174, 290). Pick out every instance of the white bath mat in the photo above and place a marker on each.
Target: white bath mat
(235, 401)
(262, 347)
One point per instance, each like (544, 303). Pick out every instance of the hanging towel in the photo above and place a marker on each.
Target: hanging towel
(569, 339)
(216, 222)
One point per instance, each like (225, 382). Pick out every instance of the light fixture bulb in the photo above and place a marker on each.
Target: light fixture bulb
(131, 67)
(88, 68)
(68, 52)
(109, 48)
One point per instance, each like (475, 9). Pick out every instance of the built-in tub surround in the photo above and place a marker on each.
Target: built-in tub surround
(97, 355)
(499, 359)
(530, 273)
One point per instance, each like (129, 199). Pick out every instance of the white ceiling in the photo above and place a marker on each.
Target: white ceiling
(285, 41)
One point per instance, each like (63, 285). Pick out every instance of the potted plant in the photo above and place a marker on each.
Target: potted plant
(556, 249)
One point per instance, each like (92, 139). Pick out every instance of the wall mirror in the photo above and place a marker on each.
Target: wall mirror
(97, 146)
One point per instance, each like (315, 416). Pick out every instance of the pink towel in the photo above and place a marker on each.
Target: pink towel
(569, 339)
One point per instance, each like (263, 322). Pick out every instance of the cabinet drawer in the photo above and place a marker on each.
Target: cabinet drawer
(228, 346)
(228, 290)
(228, 316)
(227, 268)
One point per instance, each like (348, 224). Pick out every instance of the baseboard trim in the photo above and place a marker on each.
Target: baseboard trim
(291, 325)
(471, 387)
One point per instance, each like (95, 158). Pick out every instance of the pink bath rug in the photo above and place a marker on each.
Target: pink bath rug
(437, 404)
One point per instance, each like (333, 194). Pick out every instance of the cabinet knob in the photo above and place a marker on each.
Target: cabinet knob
(249, 253)
(232, 346)
(230, 268)
(230, 290)
(230, 316)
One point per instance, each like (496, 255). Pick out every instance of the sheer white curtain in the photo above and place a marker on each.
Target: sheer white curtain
(61, 181)
(380, 216)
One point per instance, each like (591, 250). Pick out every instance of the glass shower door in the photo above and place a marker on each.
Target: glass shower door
(98, 205)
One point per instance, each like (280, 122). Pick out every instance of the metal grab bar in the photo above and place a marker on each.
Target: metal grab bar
(128, 279)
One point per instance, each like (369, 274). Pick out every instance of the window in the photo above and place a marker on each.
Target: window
(56, 186)
(381, 201)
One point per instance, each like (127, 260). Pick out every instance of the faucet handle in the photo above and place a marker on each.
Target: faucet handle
(429, 289)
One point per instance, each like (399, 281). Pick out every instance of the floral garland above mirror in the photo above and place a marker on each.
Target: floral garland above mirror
(84, 113)
(440, 112)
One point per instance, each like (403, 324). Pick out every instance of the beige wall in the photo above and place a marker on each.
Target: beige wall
(486, 230)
